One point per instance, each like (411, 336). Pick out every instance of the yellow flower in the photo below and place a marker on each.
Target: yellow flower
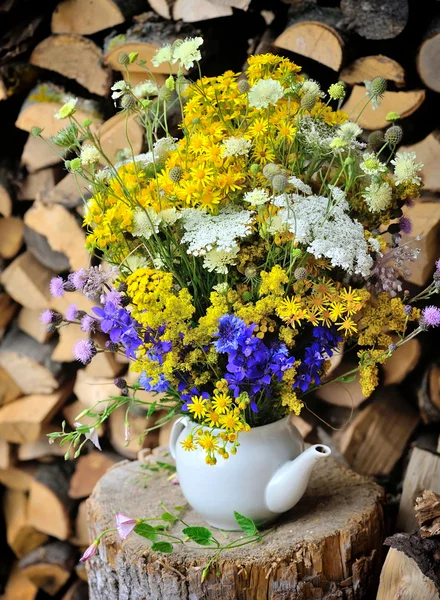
(230, 421)
(291, 402)
(336, 311)
(188, 443)
(221, 402)
(348, 326)
(212, 418)
(208, 442)
(271, 283)
(197, 407)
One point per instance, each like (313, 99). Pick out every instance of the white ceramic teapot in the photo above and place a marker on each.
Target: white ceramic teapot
(267, 476)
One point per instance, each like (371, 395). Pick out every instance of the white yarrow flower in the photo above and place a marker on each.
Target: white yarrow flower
(145, 223)
(120, 88)
(264, 93)
(256, 197)
(164, 54)
(67, 110)
(89, 155)
(218, 260)
(186, 52)
(378, 196)
(406, 169)
(145, 89)
(234, 146)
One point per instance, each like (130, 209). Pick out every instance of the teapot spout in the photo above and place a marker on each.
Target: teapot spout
(290, 481)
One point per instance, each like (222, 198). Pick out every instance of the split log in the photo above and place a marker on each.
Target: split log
(71, 412)
(16, 78)
(104, 364)
(428, 57)
(69, 192)
(19, 587)
(6, 454)
(134, 78)
(404, 103)
(330, 541)
(29, 363)
(428, 394)
(44, 101)
(422, 473)
(11, 236)
(75, 57)
(338, 393)
(39, 154)
(77, 298)
(50, 507)
(402, 362)
(23, 421)
(9, 390)
(30, 323)
(41, 449)
(425, 218)
(91, 390)
(138, 423)
(119, 132)
(38, 245)
(81, 536)
(89, 469)
(427, 512)
(369, 67)
(315, 34)
(376, 438)
(22, 537)
(50, 567)
(428, 153)
(376, 19)
(27, 282)
(89, 16)
(18, 478)
(411, 570)
(8, 308)
(38, 183)
(6, 192)
(77, 591)
(191, 11)
(68, 336)
(61, 230)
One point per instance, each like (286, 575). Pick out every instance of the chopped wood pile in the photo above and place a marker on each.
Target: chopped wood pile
(49, 49)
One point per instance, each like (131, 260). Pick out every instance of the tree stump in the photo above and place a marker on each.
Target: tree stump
(328, 546)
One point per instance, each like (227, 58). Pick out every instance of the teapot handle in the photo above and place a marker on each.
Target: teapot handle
(177, 428)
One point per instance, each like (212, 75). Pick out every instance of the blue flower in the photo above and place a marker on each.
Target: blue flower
(315, 355)
(159, 348)
(120, 326)
(229, 331)
(161, 386)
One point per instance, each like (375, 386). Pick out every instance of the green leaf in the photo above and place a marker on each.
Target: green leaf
(246, 525)
(347, 378)
(199, 535)
(162, 547)
(151, 409)
(165, 465)
(146, 531)
(166, 516)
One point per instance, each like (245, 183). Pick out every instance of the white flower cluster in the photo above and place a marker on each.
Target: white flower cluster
(185, 52)
(120, 88)
(89, 155)
(146, 221)
(310, 86)
(406, 169)
(234, 146)
(331, 234)
(300, 185)
(265, 92)
(256, 197)
(218, 260)
(204, 232)
(378, 196)
(163, 147)
(145, 88)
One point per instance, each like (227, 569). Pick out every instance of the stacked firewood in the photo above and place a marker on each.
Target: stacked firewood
(72, 47)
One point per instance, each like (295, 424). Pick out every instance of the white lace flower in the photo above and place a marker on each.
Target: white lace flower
(300, 185)
(310, 86)
(67, 110)
(277, 223)
(186, 52)
(256, 197)
(204, 232)
(332, 234)
(234, 146)
(164, 54)
(119, 89)
(349, 131)
(265, 92)
(169, 215)
(145, 89)
(218, 260)
(371, 165)
(374, 244)
(378, 196)
(145, 223)
(89, 155)
(406, 169)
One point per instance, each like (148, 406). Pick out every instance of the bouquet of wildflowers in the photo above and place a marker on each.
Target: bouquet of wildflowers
(244, 252)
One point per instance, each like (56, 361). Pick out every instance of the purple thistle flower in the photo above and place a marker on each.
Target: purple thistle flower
(407, 309)
(114, 297)
(430, 317)
(84, 351)
(46, 317)
(89, 324)
(405, 225)
(78, 278)
(91, 551)
(56, 287)
(409, 202)
(125, 525)
(71, 313)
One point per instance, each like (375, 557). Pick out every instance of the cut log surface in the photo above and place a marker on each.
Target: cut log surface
(29, 322)
(428, 153)
(89, 469)
(404, 103)
(369, 67)
(376, 19)
(377, 436)
(428, 57)
(191, 11)
(50, 566)
(8, 308)
(119, 132)
(89, 16)
(11, 236)
(69, 192)
(38, 154)
(18, 478)
(27, 282)
(38, 183)
(330, 542)
(22, 537)
(75, 57)
(402, 362)
(19, 587)
(9, 390)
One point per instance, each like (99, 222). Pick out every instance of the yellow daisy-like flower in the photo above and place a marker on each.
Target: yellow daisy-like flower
(197, 407)
(208, 442)
(348, 326)
(188, 443)
(212, 418)
(221, 402)
(230, 421)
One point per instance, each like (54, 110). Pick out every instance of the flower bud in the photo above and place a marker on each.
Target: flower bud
(392, 116)
(132, 57)
(270, 170)
(254, 169)
(165, 94)
(123, 59)
(176, 174)
(128, 102)
(243, 86)
(337, 91)
(120, 383)
(279, 183)
(36, 131)
(393, 135)
(376, 140)
(300, 273)
(125, 300)
(378, 86)
(308, 101)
